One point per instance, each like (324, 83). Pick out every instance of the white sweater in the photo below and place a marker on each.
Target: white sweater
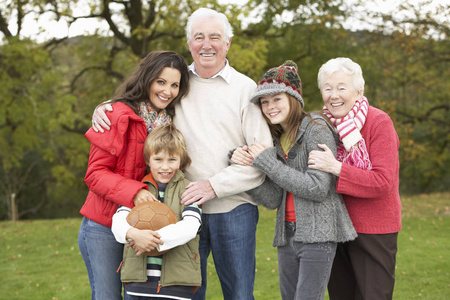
(216, 117)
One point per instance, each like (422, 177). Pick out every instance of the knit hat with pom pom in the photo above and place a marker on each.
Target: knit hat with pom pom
(282, 79)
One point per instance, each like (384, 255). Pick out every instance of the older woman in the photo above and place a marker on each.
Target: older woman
(367, 167)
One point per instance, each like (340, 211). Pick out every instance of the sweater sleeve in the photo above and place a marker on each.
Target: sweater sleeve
(382, 144)
(236, 179)
(301, 181)
(268, 194)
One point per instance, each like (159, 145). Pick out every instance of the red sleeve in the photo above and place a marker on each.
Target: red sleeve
(382, 144)
(101, 177)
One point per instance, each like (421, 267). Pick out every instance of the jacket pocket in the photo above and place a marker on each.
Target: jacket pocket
(134, 268)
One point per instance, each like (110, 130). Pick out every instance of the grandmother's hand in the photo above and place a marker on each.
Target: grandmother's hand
(99, 119)
(241, 156)
(324, 161)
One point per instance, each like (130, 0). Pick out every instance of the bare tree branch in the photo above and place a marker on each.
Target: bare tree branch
(87, 69)
(106, 13)
(412, 119)
(4, 26)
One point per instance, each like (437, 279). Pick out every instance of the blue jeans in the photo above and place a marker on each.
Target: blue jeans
(231, 237)
(102, 255)
(304, 269)
(131, 297)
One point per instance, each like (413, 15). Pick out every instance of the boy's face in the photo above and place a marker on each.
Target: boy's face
(164, 166)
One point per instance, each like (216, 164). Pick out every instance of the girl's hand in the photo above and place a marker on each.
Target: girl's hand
(143, 240)
(324, 161)
(99, 119)
(242, 157)
(143, 196)
(256, 148)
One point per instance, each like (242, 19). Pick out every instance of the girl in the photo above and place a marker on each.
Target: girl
(116, 164)
(311, 216)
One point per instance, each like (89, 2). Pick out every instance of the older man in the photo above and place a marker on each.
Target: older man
(215, 117)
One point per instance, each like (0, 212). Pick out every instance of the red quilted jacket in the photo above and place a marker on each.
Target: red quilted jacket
(116, 165)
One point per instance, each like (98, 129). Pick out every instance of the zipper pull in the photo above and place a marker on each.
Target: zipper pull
(120, 266)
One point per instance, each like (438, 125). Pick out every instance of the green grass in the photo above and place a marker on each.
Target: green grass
(40, 259)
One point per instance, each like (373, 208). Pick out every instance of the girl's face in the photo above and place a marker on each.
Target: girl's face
(165, 88)
(164, 166)
(275, 108)
(338, 94)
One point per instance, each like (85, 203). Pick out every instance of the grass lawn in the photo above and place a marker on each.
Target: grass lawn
(40, 259)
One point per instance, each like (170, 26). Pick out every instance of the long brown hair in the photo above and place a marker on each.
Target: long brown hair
(136, 86)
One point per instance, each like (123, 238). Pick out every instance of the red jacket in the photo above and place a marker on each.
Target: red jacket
(116, 165)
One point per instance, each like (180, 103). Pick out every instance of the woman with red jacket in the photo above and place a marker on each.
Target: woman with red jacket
(116, 165)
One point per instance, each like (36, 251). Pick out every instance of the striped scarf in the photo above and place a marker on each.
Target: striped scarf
(352, 148)
(151, 117)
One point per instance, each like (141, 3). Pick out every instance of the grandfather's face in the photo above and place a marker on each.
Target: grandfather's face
(208, 46)
(339, 94)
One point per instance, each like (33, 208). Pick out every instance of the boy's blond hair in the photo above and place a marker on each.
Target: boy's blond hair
(167, 138)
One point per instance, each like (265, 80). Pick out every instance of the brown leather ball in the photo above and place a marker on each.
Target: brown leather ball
(151, 215)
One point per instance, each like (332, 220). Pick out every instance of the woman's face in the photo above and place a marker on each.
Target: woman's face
(165, 88)
(275, 108)
(338, 94)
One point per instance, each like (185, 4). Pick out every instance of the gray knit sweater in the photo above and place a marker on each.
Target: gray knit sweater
(320, 212)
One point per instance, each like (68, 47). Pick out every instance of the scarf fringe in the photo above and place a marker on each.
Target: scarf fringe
(357, 156)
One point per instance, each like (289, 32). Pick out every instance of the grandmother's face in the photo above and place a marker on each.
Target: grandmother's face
(339, 94)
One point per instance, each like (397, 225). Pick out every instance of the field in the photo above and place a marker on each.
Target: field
(40, 259)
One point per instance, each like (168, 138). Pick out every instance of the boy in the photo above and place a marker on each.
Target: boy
(175, 274)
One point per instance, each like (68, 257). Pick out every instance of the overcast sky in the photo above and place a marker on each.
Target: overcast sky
(46, 28)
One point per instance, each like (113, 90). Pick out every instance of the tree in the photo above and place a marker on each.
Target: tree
(54, 87)
(29, 87)
(50, 88)
(407, 63)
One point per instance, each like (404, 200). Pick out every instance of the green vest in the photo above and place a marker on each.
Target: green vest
(180, 265)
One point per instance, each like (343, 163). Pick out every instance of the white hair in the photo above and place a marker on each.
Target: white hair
(342, 64)
(206, 13)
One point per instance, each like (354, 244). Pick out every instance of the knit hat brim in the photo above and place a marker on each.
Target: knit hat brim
(275, 88)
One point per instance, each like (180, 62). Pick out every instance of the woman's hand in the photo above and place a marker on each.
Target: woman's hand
(143, 240)
(242, 157)
(324, 161)
(256, 148)
(99, 119)
(143, 196)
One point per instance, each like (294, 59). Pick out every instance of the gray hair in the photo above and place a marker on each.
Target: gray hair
(206, 13)
(345, 65)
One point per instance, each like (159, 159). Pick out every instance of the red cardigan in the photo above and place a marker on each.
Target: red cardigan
(372, 197)
(116, 165)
